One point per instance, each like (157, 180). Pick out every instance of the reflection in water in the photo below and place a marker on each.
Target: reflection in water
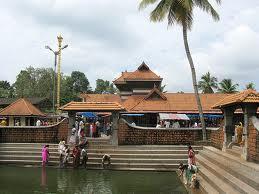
(79, 181)
(43, 177)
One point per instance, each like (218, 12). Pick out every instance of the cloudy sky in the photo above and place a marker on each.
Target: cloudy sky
(106, 37)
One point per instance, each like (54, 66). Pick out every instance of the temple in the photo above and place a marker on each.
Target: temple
(144, 102)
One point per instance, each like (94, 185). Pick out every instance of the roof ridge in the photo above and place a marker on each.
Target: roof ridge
(25, 102)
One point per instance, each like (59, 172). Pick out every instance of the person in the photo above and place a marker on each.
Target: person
(133, 124)
(76, 156)
(66, 155)
(239, 133)
(108, 128)
(81, 126)
(38, 123)
(72, 139)
(61, 150)
(183, 170)
(3, 122)
(191, 156)
(45, 155)
(158, 125)
(106, 157)
(167, 124)
(195, 125)
(94, 130)
(84, 156)
(176, 125)
(90, 130)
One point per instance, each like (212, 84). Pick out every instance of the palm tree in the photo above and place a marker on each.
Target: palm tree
(250, 85)
(227, 86)
(207, 83)
(181, 12)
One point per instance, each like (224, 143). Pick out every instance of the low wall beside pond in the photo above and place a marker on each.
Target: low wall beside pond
(34, 134)
(134, 135)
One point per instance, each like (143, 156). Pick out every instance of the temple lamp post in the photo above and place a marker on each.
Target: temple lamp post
(56, 53)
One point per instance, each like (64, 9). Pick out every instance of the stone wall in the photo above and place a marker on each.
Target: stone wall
(129, 135)
(33, 134)
(253, 143)
(217, 137)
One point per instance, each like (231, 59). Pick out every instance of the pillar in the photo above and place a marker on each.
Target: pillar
(115, 124)
(249, 111)
(229, 128)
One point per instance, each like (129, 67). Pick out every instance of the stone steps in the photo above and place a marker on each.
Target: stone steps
(242, 170)
(99, 155)
(154, 157)
(216, 182)
(234, 182)
(226, 173)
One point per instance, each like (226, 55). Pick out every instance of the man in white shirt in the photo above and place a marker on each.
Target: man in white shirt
(38, 122)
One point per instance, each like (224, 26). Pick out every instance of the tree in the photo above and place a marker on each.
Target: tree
(80, 82)
(207, 83)
(6, 90)
(250, 85)
(227, 86)
(181, 12)
(104, 86)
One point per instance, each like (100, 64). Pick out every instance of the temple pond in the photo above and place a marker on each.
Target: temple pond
(51, 180)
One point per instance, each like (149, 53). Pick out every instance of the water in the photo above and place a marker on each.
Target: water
(22, 180)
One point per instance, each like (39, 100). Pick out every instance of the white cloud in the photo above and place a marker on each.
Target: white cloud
(107, 37)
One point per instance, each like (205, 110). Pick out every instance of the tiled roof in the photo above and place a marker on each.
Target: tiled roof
(92, 106)
(173, 102)
(101, 97)
(21, 107)
(142, 73)
(179, 103)
(246, 96)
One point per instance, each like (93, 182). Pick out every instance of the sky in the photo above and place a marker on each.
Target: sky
(106, 37)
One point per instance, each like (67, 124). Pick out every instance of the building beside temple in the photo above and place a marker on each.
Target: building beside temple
(141, 96)
(20, 113)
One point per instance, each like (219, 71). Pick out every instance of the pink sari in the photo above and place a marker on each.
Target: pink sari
(44, 154)
(191, 157)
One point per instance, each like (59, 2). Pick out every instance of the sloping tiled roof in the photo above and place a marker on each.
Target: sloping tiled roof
(155, 92)
(142, 73)
(173, 102)
(246, 96)
(21, 107)
(92, 106)
(179, 103)
(101, 97)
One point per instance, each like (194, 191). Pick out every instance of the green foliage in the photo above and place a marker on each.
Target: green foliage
(227, 86)
(104, 86)
(80, 82)
(178, 11)
(34, 82)
(250, 85)
(207, 83)
(6, 90)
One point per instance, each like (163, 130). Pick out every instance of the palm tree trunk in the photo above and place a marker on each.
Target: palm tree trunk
(194, 81)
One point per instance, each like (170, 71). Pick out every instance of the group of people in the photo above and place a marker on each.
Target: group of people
(168, 124)
(79, 155)
(188, 171)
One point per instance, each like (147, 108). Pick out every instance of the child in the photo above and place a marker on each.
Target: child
(106, 157)
(76, 156)
(84, 156)
(66, 157)
(45, 155)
